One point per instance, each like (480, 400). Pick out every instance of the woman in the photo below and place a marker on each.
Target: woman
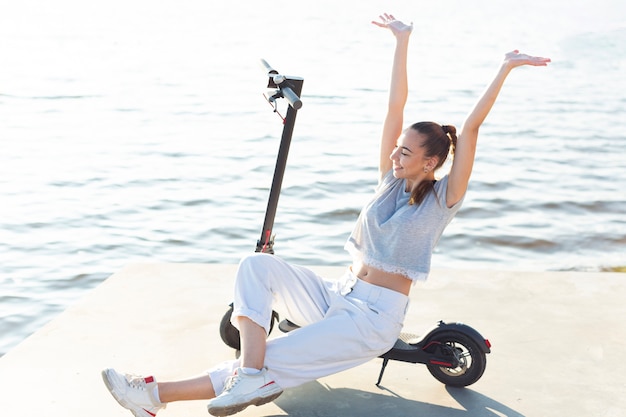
(352, 320)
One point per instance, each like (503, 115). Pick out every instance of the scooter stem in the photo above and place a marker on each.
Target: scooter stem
(290, 88)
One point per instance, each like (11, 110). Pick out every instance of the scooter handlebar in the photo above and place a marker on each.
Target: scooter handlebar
(291, 97)
(268, 69)
(281, 82)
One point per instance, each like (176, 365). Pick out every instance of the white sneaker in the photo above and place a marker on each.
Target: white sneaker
(242, 390)
(134, 393)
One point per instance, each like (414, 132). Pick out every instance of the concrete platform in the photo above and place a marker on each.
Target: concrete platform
(559, 341)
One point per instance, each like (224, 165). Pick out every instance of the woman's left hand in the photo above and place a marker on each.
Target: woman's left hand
(516, 59)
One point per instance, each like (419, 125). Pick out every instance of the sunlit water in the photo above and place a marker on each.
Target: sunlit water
(136, 131)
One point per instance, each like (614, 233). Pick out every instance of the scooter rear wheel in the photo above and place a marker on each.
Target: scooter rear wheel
(472, 360)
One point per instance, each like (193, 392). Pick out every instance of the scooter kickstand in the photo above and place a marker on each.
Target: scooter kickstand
(382, 370)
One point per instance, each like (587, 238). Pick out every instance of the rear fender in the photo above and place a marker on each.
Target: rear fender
(461, 328)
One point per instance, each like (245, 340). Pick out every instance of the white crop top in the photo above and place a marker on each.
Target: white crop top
(396, 237)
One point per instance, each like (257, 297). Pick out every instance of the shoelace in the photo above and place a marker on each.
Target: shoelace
(231, 381)
(136, 382)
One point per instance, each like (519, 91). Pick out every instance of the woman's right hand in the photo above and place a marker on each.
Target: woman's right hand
(397, 27)
(398, 89)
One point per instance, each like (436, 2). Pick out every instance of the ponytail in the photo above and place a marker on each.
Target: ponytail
(419, 193)
(450, 131)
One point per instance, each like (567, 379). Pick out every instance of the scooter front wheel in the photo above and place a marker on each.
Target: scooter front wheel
(230, 334)
(471, 360)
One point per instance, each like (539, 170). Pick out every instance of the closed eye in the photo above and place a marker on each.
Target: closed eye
(404, 150)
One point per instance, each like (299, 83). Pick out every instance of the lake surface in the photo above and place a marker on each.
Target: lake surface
(137, 132)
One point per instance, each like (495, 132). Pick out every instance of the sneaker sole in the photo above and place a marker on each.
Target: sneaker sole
(227, 411)
(136, 413)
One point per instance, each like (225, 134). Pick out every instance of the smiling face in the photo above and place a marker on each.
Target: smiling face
(409, 158)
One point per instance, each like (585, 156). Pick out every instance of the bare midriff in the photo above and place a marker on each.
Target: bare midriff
(375, 276)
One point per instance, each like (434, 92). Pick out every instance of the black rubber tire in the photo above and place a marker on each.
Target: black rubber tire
(473, 360)
(228, 332)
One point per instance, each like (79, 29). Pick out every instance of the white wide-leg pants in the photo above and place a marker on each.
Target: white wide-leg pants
(344, 323)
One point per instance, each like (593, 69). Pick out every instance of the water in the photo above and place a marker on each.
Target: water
(136, 132)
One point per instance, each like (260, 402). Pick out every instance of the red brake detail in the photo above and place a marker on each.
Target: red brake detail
(447, 364)
(434, 342)
(267, 239)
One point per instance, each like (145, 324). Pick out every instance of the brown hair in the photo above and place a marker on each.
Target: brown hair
(438, 140)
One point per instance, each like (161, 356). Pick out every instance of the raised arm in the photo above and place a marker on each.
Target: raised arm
(467, 138)
(398, 90)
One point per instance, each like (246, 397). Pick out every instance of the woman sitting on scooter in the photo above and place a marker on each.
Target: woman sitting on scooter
(345, 322)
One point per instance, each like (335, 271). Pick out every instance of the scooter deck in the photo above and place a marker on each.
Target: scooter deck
(404, 341)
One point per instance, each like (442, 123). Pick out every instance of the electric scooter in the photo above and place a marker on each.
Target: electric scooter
(454, 353)
(278, 86)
